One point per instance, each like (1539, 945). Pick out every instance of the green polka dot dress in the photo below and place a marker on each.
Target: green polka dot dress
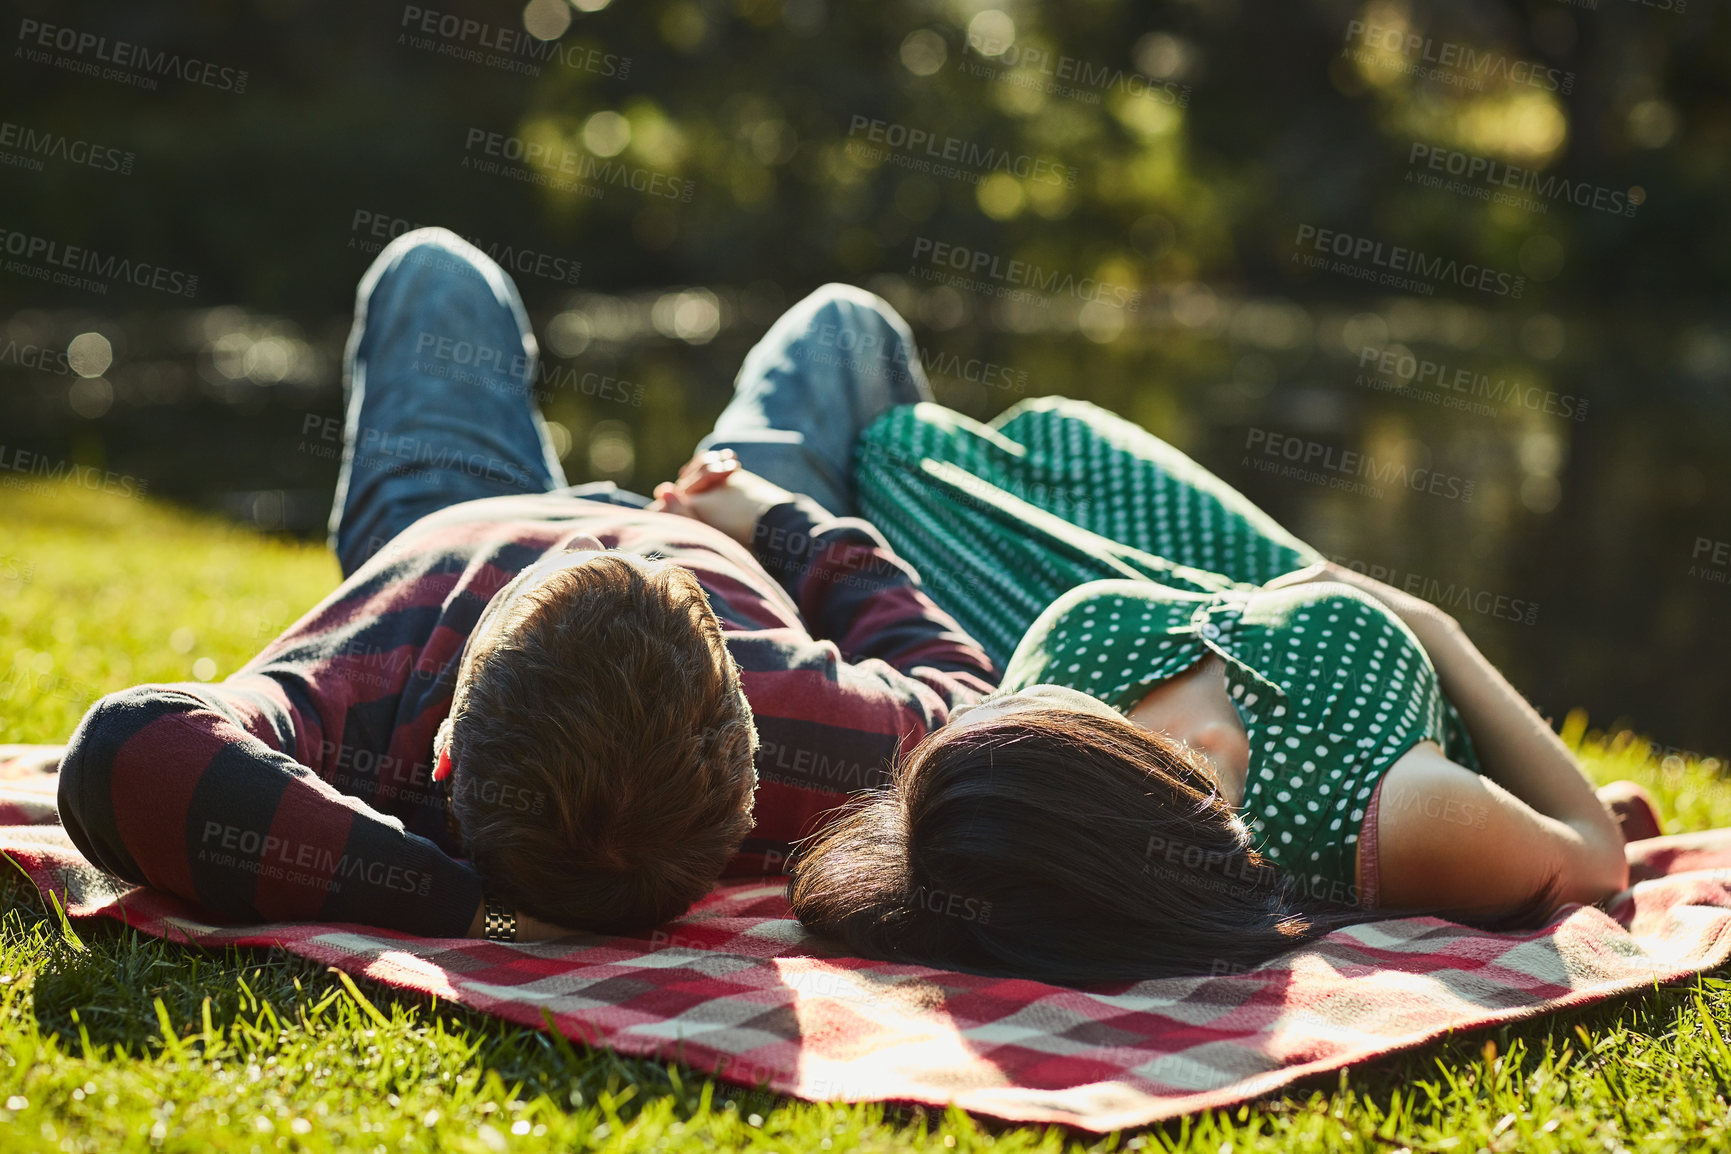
(1332, 689)
(1083, 551)
(1000, 519)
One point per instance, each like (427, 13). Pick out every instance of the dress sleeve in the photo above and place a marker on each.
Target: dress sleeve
(1352, 693)
(1113, 640)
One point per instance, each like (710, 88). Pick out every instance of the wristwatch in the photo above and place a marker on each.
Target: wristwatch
(499, 922)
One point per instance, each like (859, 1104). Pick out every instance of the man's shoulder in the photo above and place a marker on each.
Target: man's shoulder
(474, 547)
(526, 508)
(480, 544)
(497, 522)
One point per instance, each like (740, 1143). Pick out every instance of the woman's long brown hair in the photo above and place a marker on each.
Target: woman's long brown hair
(1060, 846)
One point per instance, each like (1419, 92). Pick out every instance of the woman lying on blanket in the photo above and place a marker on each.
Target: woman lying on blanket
(1210, 744)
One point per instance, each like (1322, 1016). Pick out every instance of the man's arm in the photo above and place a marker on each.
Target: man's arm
(852, 588)
(827, 727)
(177, 787)
(876, 667)
(848, 583)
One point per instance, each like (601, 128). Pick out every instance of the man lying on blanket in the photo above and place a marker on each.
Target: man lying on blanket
(530, 707)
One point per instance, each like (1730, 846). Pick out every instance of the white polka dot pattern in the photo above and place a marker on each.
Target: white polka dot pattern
(957, 499)
(1083, 551)
(1331, 687)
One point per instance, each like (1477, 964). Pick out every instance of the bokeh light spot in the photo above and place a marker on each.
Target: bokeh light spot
(992, 32)
(924, 52)
(606, 133)
(90, 354)
(546, 19)
(1000, 196)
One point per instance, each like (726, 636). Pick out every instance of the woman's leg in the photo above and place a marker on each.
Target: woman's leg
(1113, 477)
(439, 375)
(831, 365)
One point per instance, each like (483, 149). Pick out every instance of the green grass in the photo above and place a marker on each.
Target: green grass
(111, 1041)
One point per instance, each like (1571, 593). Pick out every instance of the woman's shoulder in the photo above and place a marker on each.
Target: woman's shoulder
(1334, 608)
(1280, 600)
(1298, 635)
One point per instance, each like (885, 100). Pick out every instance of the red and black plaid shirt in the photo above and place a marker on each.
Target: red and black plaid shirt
(300, 788)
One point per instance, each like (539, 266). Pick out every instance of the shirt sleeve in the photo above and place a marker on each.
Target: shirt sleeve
(877, 667)
(852, 589)
(187, 789)
(828, 727)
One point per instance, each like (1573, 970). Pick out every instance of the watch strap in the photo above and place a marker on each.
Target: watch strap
(499, 922)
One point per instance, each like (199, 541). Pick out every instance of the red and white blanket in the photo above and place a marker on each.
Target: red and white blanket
(736, 988)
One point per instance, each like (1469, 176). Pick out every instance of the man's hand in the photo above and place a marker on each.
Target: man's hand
(715, 489)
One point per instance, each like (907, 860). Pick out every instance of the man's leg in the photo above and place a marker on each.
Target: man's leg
(439, 375)
(832, 365)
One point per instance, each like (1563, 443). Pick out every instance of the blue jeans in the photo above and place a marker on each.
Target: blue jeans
(440, 371)
(834, 363)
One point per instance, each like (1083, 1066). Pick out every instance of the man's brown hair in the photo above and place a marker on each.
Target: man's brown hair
(602, 748)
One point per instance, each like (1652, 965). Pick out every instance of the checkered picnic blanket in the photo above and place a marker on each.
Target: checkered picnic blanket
(736, 988)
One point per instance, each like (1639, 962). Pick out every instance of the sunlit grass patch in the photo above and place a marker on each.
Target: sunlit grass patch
(110, 1040)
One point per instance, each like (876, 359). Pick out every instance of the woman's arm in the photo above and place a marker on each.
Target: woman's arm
(1449, 839)
(1516, 747)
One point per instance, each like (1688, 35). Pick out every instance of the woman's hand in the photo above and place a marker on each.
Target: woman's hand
(715, 489)
(1636, 812)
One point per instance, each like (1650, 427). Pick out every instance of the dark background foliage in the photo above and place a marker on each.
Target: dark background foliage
(1204, 137)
